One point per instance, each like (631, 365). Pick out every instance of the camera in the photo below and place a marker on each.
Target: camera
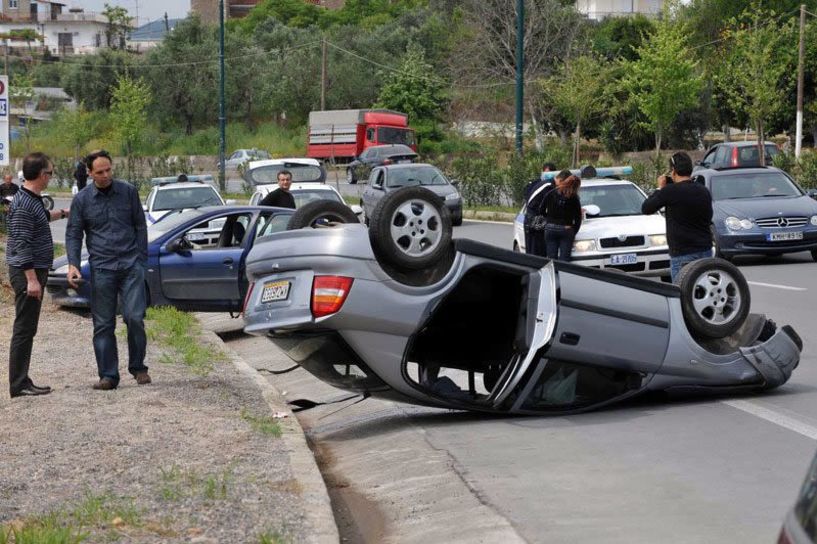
(668, 179)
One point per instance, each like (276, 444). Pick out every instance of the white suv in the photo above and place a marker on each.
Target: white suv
(614, 234)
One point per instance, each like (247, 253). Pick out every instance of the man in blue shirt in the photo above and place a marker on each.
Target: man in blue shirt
(110, 215)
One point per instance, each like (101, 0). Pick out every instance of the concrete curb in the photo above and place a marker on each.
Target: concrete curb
(317, 507)
(500, 217)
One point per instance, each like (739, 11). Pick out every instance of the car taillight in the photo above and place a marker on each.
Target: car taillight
(784, 537)
(387, 161)
(247, 298)
(735, 156)
(329, 293)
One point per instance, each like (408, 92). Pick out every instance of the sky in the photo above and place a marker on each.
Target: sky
(149, 10)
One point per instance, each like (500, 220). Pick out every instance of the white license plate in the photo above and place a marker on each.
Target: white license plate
(404, 161)
(781, 236)
(196, 236)
(275, 290)
(624, 258)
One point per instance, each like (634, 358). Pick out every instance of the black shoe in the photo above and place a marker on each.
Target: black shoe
(30, 391)
(40, 387)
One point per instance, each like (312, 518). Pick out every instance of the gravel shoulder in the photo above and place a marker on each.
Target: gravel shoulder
(189, 458)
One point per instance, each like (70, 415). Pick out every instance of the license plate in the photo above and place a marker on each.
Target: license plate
(782, 236)
(275, 290)
(196, 236)
(404, 161)
(624, 258)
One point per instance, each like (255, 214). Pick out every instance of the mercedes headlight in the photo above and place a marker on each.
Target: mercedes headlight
(582, 246)
(453, 196)
(734, 223)
(813, 220)
(658, 239)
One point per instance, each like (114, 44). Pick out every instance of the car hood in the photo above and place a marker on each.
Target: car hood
(628, 225)
(757, 208)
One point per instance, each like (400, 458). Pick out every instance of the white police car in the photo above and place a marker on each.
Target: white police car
(304, 193)
(614, 234)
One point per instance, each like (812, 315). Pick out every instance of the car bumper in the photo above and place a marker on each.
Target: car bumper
(454, 208)
(756, 243)
(648, 263)
(63, 294)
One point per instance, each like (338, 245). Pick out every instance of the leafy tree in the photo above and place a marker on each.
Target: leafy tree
(619, 37)
(118, 26)
(89, 80)
(663, 82)
(21, 92)
(414, 88)
(77, 127)
(129, 102)
(753, 77)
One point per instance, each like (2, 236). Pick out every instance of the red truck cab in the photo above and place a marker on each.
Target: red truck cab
(344, 134)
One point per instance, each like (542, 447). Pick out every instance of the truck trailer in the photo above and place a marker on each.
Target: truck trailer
(342, 135)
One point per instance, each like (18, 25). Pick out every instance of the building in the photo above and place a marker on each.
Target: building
(35, 11)
(151, 34)
(207, 10)
(599, 9)
(73, 33)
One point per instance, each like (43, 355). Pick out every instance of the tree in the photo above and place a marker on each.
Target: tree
(90, 80)
(753, 77)
(77, 127)
(579, 92)
(129, 102)
(21, 93)
(118, 26)
(662, 81)
(414, 88)
(617, 38)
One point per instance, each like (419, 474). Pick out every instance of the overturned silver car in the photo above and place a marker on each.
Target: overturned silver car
(400, 310)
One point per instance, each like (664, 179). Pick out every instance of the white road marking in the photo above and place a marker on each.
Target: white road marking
(776, 286)
(772, 416)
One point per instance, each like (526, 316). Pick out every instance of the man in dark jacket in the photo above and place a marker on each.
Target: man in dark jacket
(281, 197)
(81, 174)
(688, 208)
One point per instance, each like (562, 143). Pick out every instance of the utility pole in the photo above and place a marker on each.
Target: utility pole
(222, 119)
(520, 67)
(798, 138)
(323, 74)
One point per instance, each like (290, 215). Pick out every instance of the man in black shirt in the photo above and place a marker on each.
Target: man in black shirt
(8, 188)
(688, 208)
(281, 197)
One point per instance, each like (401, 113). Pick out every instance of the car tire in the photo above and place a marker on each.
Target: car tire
(321, 213)
(410, 229)
(350, 176)
(714, 297)
(48, 202)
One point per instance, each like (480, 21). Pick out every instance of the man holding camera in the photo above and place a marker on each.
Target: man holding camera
(688, 210)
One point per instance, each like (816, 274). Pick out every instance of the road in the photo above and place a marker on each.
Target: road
(683, 469)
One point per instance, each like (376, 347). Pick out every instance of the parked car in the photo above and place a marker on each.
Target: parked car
(735, 154)
(387, 179)
(266, 172)
(486, 329)
(378, 155)
(760, 211)
(184, 270)
(166, 197)
(614, 234)
(240, 156)
(304, 193)
(800, 524)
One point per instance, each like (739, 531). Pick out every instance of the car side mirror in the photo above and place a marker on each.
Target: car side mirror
(230, 202)
(357, 210)
(144, 208)
(592, 210)
(179, 244)
(812, 193)
(455, 182)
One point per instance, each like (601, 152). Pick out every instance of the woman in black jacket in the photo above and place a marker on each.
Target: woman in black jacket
(563, 213)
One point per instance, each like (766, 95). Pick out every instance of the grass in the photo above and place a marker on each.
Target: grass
(59, 250)
(179, 332)
(270, 537)
(178, 483)
(263, 424)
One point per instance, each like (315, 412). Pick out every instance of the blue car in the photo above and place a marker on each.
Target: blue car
(760, 211)
(186, 268)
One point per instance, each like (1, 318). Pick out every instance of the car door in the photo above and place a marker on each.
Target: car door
(374, 191)
(208, 277)
(367, 161)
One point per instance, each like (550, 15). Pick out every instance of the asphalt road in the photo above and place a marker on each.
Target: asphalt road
(711, 469)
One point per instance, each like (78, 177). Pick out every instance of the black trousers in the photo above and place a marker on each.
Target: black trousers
(26, 319)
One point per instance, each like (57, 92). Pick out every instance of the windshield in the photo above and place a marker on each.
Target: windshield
(186, 197)
(170, 222)
(753, 185)
(421, 175)
(613, 200)
(389, 135)
(303, 197)
(264, 175)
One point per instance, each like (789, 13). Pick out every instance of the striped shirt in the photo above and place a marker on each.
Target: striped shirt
(29, 235)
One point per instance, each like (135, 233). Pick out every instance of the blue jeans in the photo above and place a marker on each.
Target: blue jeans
(677, 263)
(559, 242)
(107, 287)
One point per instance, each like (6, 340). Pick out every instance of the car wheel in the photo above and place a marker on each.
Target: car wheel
(321, 213)
(714, 297)
(410, 228)
(350, 176)
(48, 202)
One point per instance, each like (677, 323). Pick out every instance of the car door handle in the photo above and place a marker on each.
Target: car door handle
(228, 260)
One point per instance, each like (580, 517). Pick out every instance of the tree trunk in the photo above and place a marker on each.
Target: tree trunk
(577, 144)
(658, 143)
(761, 137)
(189, 120)
(726, 133)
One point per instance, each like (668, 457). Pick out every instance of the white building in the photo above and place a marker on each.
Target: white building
(599, 9)
(72, 33)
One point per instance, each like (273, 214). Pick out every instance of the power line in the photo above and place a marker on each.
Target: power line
(775, 22)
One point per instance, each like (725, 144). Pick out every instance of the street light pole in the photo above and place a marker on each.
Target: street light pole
(520, 78)
(222, 181)
(798, 137)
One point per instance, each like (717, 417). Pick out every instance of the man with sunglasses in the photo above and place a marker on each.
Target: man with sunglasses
(688, 211)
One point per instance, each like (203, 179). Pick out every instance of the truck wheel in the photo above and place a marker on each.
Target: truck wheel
(321, 213)
(350, 176)
(714, 297)
(410, 228)
(48, 202)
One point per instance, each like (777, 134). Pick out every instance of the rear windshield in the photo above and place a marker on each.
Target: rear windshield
(390, 135)
(403, 177)
(188, 197)
(752, 185)
(306, 196)
(613, 200)
(748, 155)
(264, 175)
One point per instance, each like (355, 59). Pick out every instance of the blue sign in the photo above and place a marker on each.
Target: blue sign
(4, 107)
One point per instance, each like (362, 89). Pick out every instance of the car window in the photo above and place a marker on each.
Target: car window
(722, 155)
(405, 177)
(276, 223)
(398, 150)
(378, 177)
(370, 134)
(753, 185)
(170, 222)
(186, 197)
(264, 175)
(707, 160)
(613, 200)
(305, 196)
